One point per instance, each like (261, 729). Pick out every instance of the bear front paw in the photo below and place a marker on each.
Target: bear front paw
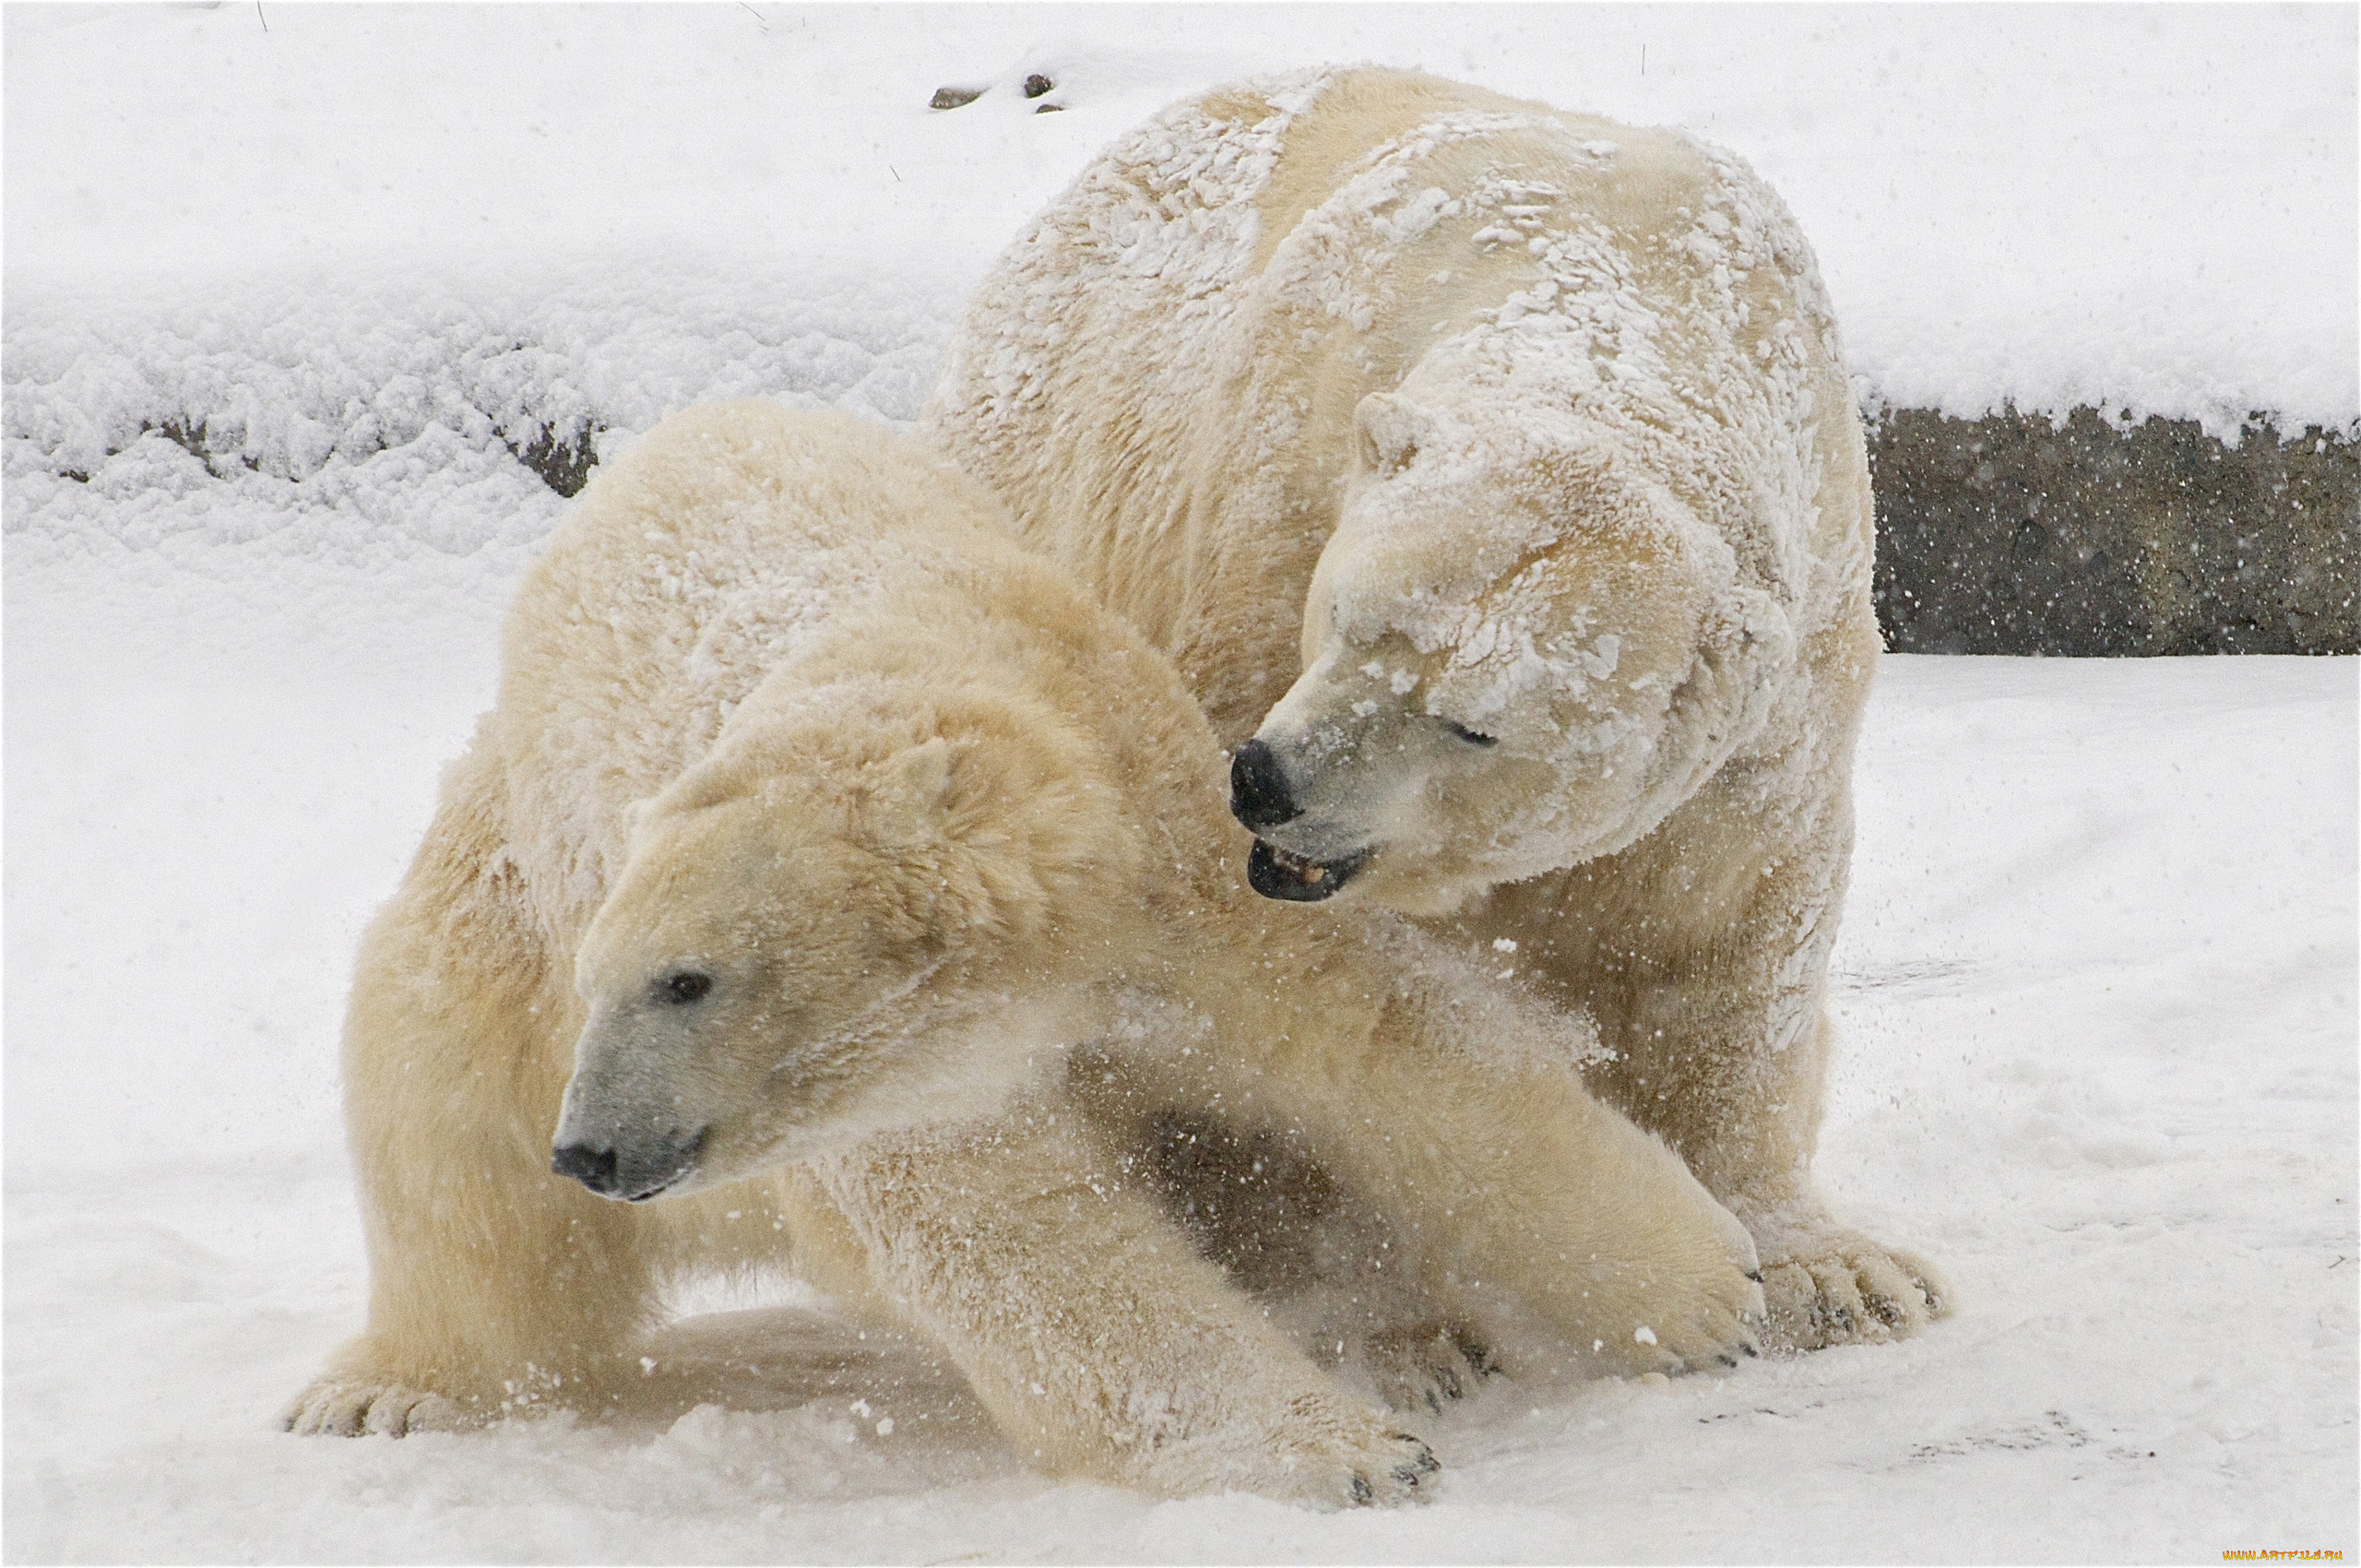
(1341, 1457)
(1841, 1288)
(1405, 1467)
(1323, 1449)
(1713, 1322)
(335, 1408)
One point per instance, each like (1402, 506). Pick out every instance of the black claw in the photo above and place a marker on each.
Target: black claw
(1755, 1274)
(1423, 1464)
(1361, 1489)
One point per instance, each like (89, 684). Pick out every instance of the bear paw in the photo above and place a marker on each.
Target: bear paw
(1338, 1454)
(1425, 1366)
(1320, 1448)
(333, 1407)
(1841, 1288)
(1714, 1322)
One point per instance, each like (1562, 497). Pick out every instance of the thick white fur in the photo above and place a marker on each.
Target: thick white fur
(785, 705)
(1495, 467)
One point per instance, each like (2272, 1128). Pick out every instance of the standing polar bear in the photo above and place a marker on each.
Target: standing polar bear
(843, 874)
(1491, 475)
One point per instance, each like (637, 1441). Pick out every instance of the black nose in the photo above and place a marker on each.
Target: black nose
(594, 1168)
(1258, 790)
(638, 1171)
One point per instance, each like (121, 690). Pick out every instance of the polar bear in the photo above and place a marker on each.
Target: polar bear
(1491, 473)
(843, 874)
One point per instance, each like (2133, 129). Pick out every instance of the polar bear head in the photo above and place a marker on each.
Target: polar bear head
(1521, 650)
(836, 927)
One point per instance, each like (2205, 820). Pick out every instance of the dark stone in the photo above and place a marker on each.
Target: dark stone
(2006, 535)
(178, 432)
(564, 465)
(196, 440)
(953, 97)
(1037, 84)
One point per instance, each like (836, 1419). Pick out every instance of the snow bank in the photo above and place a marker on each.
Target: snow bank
(2149, 211)
(365, 424)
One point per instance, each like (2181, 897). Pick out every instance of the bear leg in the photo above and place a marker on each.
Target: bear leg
(1710, 991)
(1100, 1342)
(1532, 1209)
(495, 1286)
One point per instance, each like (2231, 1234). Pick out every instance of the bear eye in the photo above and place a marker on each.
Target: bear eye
(1473, 737)
(684, 987)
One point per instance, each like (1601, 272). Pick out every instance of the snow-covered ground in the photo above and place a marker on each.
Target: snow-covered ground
(2098, 989)
(2098, 969)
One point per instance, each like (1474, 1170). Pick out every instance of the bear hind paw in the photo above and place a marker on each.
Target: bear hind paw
(1424, 1368)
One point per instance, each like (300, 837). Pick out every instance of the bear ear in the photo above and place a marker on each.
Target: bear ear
(1385, 432)
(909, 793)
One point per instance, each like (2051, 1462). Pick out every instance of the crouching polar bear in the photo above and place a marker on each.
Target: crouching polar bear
(1491, 475)
(924, 927)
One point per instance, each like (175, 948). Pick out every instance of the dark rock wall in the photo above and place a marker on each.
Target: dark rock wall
(2009, 535)
(2006, 535)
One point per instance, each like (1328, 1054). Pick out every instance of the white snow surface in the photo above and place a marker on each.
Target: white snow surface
(2096, 977)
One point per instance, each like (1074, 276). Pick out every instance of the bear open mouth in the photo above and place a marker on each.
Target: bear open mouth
(1299, 879)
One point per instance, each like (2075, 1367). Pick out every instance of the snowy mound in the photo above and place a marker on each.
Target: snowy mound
(392, 417)
(2149, 212)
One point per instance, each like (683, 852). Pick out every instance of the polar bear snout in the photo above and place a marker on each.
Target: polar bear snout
(626, 1130)
(634, 1173)
(1261, 799)
(1259, 796)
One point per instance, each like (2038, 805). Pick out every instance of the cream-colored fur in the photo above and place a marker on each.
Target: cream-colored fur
(843, 872)
(1491, 474)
